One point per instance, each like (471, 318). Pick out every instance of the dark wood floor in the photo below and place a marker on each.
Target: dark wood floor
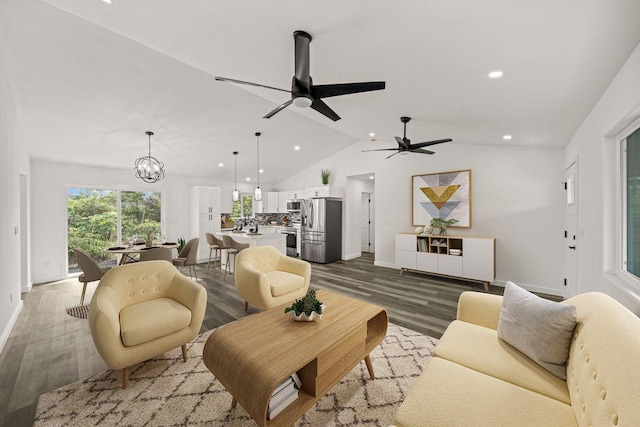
(48, 348)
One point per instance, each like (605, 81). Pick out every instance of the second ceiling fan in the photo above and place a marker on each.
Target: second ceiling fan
(405, 145)
(303, 92)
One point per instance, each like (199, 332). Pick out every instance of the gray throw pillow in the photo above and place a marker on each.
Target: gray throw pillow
(539, 328)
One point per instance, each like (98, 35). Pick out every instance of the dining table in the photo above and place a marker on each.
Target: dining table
(129, 251)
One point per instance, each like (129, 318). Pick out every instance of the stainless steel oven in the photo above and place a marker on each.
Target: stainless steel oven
(292, 240)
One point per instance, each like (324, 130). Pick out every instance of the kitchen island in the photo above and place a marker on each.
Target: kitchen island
(278, 241)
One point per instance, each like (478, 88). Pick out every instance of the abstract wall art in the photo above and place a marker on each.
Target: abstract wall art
(445, 195)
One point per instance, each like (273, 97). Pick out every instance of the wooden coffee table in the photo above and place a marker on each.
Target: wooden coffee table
(252, 356)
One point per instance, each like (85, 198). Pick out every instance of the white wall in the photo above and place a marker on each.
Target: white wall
(594, 145)
(13, 161)
(49, 207)
(517, 197)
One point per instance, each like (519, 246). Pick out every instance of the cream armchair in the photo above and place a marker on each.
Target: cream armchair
(265, 278)
(142, 310)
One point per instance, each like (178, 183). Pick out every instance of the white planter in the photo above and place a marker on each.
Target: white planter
(303, 317)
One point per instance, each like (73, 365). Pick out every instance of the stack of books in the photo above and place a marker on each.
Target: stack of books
(284, 395)
(455, 252)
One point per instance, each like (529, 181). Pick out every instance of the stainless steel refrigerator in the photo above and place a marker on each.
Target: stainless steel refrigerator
(321, 230)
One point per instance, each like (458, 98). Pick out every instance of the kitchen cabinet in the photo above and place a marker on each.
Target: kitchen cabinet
(296, 194)
(205, 216)
(283, 197)
(271, 202)
(466, 257)
(226, 201)
(205, 199)
(324, 191)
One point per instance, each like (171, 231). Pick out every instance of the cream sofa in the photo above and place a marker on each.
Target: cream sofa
(142, 310)
(476, 379)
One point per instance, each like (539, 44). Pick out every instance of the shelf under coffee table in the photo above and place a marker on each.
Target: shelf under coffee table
(252, 356)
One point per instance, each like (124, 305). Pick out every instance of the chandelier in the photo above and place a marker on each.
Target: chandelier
(148, 168)
(258, 194)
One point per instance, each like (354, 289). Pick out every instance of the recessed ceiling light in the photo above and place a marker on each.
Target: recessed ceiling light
(107, 1)
(248, 179)
(507, 137)
(371, 134)
(221, 164)
(297, 148)
(261, 170)
(371, 177)
(496, 74)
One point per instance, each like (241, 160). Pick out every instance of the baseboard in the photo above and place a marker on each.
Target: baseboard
(9, 328)
(352, 256)
(385, 264)
(27, 288)
(531, 288)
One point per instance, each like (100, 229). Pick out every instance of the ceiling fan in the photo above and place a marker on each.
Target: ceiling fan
(405, 145)
(303, 92)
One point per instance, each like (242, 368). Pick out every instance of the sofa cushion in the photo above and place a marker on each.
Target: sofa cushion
(282, 282)
(480, 349)
(149, 320)
(451, 395)
(539, 328)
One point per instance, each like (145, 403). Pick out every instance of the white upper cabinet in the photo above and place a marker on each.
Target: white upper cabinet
(226, 201)
(271, 201)
(206, 200)
(296, 194)
(324, 191)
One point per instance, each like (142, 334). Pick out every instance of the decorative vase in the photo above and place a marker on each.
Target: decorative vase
(443, 231)
(314, 317)
(419, 230)
(149, 242)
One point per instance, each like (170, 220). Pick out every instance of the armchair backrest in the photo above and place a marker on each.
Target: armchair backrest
(138, 282)
(261, 258)
(89, 267)
(210, 238)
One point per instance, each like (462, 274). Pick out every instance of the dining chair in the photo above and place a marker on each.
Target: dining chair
(233, 248)
(91, 271)
(163, 254)
(216, 245)
(188, 257)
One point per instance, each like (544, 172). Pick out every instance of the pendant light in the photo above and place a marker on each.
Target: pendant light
(235, 195)
(258, 194)
(148, 168)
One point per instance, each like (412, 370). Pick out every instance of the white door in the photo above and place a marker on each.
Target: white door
(572, 287)
(366, 223)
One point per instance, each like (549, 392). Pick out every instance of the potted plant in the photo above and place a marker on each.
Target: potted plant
(442, 224)
(325, 174)
(181, 243)
(307, 309)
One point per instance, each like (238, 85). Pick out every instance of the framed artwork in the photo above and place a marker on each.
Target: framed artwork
(445, 195)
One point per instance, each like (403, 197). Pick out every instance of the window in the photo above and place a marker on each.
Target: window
(97, 219)
(631, 203)
(243, 207)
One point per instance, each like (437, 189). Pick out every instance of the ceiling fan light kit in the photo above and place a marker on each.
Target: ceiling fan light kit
(148, 168)
(235, 194)
(405, 146)
(303, 92)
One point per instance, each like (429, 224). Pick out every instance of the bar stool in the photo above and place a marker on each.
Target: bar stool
(216, 245)
(233, 248)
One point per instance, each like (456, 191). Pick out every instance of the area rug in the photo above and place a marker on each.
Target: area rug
(167, 392)
(79, 311)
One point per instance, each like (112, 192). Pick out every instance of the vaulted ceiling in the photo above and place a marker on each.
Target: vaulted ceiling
(90, 78)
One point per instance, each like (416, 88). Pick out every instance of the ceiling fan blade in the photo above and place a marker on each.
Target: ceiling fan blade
(391, 155)
(278, 109)
(224, 79)
(382, 149)
(323, 108)
(420, 150)
(401, 142)
(428, 143)
(301, 67)
(327, 91)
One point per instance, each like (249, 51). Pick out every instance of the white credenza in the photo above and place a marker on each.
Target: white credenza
(205, 216)
(470, 258)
